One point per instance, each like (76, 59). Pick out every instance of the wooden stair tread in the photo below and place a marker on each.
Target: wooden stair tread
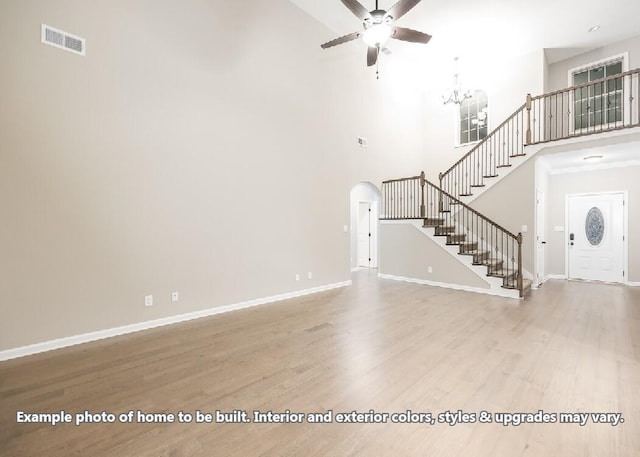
(517, 155)
(503, 273)
(491, 176)
(466, 246)
(504, 166)
(526, 286)
(477, 185)
(477, 252)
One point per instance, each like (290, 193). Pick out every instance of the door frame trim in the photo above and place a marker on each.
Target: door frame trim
(625, 230)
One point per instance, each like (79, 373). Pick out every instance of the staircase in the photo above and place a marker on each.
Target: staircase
(609, 104)
(466, 231)
(496, 266)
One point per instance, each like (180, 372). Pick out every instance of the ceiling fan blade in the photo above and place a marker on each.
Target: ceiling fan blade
(357, 9)
(401, 8)
(372, 55)
(413, 36)
(342, 39)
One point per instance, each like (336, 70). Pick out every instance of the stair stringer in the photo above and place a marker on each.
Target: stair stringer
(495, 284)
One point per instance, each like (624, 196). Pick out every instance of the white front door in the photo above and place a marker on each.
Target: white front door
(364, 234)
(596, 237)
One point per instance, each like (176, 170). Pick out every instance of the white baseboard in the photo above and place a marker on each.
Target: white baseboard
(354, 269)
(548, 277)
(627, 283)
(108, 333)
(425, 282)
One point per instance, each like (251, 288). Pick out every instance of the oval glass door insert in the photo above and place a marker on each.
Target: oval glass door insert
(594, 226)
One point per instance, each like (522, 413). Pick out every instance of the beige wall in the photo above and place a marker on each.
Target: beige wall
(406, 252)
(200, 147)
(615, 179)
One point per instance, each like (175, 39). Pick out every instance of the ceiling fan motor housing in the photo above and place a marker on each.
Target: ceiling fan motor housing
(377, 17)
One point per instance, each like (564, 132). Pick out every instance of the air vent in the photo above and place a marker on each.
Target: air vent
(63, 40)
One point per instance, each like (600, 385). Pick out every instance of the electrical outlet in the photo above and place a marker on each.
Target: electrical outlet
(175, 296)
(297, 277)
(309, 275)
(148, 300)
(430, 269)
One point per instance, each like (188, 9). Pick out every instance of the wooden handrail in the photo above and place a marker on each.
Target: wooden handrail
(401, 179)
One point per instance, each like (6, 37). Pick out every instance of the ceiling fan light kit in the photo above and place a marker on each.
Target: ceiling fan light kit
(378, 27)
(377, 35)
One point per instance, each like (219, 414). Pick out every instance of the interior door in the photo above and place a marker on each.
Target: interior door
(596, 237)
(540, 238)
(373, 239)
(364, 234)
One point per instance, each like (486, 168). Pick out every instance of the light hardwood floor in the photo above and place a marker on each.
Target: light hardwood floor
(382, 345)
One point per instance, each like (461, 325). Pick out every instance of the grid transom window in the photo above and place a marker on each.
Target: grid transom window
(473, 118)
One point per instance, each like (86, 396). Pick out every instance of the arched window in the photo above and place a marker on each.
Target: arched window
(473, 118)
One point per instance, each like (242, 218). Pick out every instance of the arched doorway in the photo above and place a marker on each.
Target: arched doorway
(365, 210)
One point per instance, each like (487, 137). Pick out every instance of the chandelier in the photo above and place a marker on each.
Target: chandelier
(457, 94)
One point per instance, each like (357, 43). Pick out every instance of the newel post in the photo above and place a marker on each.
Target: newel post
(528, 106)
(422, 207)
(520, 265)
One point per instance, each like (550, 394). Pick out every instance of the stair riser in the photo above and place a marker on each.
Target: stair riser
(479, 258)
(428, 222)
(441, 231)
(468, 247)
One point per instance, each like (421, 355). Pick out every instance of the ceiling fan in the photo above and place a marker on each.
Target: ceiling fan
(378, 27)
